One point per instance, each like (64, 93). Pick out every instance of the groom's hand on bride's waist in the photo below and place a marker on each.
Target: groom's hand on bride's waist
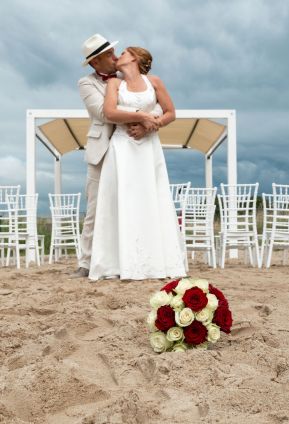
(137, 131)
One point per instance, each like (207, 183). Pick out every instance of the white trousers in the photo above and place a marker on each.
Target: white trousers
(91, 191)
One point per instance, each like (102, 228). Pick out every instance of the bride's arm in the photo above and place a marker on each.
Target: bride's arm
(119, 116)
(164, 100)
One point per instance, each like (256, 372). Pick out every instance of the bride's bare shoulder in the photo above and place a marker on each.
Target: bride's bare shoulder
(155, 80)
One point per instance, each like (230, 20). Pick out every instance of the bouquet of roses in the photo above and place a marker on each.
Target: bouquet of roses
(187, 313)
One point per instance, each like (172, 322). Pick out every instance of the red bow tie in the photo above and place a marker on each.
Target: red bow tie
(105, 77)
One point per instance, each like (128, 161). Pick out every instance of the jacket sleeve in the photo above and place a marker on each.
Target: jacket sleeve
(93, 100)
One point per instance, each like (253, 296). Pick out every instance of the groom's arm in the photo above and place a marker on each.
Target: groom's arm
(93, 100)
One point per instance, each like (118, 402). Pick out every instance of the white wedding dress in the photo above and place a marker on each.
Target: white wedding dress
(136, 234)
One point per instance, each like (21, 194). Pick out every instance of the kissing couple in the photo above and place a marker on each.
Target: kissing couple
(130, 229)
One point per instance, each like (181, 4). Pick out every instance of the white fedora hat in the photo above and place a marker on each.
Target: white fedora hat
(94, 46)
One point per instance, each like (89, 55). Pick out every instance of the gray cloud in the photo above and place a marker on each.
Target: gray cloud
(211, 54)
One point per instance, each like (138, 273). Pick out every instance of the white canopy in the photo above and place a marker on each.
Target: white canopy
(68, 134)
(193, 129)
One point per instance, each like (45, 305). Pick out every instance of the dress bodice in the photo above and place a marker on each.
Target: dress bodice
(143, 100)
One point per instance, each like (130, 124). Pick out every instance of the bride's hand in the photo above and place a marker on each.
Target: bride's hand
(150, 122)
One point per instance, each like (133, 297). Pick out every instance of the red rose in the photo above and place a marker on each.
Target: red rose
(195, 333)
(219, 295)
(171, 286)
(195, 299)
(223, 318)
(165, 318)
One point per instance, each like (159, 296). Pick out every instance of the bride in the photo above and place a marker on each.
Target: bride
(136, 234)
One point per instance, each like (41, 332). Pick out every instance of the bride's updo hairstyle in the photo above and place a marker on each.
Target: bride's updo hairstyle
(143, 57)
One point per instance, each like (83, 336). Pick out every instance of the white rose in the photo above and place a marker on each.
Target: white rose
(183, 285)
(179, 347)
(177, 302)
(184, 317)
(213, 333)
(201, 283)
(151, 319)
(202, 345)
(159, 342)
(175, 334)
(205, 316)
(160, 298)
(212, 301)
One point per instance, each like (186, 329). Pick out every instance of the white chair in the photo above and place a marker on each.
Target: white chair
(199, 222)
(280, 189)
(27, 224)
(276, 223)
(9, 224)
(179, 194)
(237, 205)
(65, 232)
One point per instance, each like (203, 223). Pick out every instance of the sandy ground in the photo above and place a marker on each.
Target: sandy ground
(73, 352)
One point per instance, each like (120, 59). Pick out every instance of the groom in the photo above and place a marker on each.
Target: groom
(99, 54)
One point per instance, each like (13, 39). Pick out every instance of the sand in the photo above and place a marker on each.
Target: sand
(73, 352)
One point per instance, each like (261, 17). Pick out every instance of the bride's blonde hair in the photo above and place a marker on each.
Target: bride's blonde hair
(143, 57)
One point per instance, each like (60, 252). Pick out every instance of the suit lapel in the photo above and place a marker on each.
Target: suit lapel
(100, 85)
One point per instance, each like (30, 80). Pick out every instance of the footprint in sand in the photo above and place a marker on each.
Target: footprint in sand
(94, 367)
(265, 310)
(147, 367)
(242, 330)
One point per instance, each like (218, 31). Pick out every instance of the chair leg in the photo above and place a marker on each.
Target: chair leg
(257, 253)
(26, 255)
(37, 250)
(17, 253)
(213, 255)
(262, 253)
(270, 250)
(250, 254)
(223, 242)
(51, 251)
(42, 250)
(2, 256)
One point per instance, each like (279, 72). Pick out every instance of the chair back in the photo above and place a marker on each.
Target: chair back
(281, 209)
(8, 190)
(280, 189)
(64, 212)
(237, 205)
(8, 210)
(179, 194)
(200, 211)
(201, 197)
(26, 212)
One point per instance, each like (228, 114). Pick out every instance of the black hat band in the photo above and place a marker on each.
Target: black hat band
(99, 49)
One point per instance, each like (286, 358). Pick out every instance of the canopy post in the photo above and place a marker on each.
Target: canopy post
(57, 176)
(209, 171)
(30, 176)
(232, 149)
(232, 171)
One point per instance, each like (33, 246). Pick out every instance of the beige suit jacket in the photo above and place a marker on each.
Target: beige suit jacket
(92, 91)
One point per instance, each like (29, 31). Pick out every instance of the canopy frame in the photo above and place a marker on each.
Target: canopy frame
(33, 133)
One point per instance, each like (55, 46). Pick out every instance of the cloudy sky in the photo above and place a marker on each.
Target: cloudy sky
(212, 54)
